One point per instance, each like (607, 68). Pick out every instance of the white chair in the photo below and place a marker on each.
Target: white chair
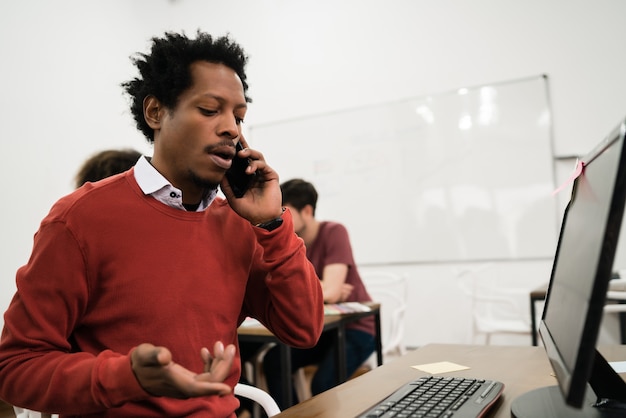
(611, 306)
(27, 413)
(253, 368)
(259, 396)
(495, 309)
(255, 394)
(616, 296)
(391, 291)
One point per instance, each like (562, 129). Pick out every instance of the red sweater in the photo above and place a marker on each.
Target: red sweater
(112, 268)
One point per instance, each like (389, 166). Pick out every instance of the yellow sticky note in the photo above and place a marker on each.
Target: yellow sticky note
(440, 367)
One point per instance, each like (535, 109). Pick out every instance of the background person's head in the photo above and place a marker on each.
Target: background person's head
(106, 163)
(299, 193)
(300, 197)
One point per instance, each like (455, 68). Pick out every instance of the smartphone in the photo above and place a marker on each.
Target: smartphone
(239, 180)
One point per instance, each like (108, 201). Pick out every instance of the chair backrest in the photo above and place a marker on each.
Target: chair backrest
(496, 308)
(390, 290)
(27, 413)
(616, 298)
(259, 396)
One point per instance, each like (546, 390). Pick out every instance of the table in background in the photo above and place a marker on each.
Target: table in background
(539, 295)
(521, 369)
(332, 323)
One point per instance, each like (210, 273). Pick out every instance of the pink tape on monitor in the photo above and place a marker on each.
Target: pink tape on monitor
(577, 170)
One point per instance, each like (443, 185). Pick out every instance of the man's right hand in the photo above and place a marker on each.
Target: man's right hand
(160, 376)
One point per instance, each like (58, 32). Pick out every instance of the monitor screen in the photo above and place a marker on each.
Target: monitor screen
(576, 296)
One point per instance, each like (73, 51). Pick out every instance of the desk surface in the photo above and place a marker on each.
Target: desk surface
(258, 330)
(330, 321)
(520, 369)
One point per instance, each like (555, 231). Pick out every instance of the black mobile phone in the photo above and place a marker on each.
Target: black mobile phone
(239, 180)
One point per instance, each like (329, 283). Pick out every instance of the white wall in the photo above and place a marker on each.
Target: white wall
(63, 61)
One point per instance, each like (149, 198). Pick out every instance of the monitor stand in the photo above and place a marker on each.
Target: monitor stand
(547, 402)
(605, 386)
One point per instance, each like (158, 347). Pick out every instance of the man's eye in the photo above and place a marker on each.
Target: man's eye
(207, 112)
(239, 120)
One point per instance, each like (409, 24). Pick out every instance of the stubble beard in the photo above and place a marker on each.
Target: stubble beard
(203, 183)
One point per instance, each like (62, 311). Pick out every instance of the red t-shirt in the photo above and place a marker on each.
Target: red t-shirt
(332, 246)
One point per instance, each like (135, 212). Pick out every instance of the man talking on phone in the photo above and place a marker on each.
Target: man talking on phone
(130, 302)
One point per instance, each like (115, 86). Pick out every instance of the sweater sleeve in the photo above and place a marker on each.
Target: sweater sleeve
(284, 292)
(38, 368)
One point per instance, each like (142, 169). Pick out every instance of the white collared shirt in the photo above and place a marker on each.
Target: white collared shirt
(154, 184)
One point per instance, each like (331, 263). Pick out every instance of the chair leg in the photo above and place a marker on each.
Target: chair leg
(302, 385)
(259, 377)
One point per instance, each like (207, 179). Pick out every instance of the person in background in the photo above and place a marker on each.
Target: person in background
(106, 163)
(328, 248)
(130, 302)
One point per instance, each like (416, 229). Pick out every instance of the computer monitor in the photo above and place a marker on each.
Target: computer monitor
(582, 268)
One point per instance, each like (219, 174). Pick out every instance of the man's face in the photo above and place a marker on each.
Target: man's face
(195, 143)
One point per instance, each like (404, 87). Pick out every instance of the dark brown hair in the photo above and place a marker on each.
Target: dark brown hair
(106, 163)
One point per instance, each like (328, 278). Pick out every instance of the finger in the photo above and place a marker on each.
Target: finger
(221, 365)
(163, 356)
(230, 351)
(255, 158)
(218, 349)
(205, 354)
(243, 141)
(206, 359)
(202, 388)
(189, 384)
(141, 354)
(146, 355)
(218, 353)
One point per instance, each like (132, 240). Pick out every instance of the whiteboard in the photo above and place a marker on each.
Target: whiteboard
(457, 176)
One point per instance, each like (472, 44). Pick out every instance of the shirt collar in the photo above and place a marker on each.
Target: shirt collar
(153, 183)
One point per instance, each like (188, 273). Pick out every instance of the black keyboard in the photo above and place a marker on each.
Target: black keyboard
(439, 397)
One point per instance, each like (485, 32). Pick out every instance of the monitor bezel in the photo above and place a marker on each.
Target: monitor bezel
(590, 368)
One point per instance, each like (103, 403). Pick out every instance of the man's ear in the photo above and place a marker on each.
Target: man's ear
(307, 210)
(152, 112)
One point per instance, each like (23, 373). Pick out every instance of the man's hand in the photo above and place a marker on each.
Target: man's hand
(262, 201)
(160, 376)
